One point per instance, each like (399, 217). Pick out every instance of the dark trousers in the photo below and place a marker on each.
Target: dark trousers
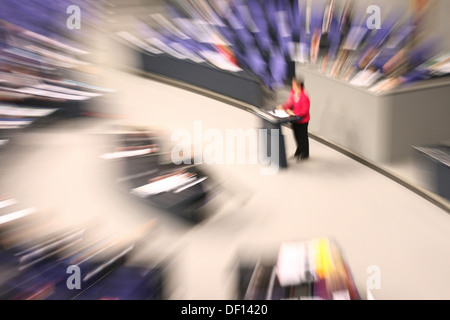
(301, 137)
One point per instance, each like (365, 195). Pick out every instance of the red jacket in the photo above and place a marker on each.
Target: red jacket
(300, 107)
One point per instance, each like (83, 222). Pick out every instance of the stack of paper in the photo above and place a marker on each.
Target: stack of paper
(25, 112)
(366, 78)
(126, 154)
(9, 123)
(165, 185)
(440, 65)
(137, 42)
(7, 202)
(290, 264)
(16, 215)
(219, 61)
(51, 94)
(155, 42)
(279, 114)
(66, 90)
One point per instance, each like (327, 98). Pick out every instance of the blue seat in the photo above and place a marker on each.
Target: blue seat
(334, 37)
(278, 69)
(295, 21)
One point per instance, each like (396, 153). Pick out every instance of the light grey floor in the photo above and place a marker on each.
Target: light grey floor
(374, 220)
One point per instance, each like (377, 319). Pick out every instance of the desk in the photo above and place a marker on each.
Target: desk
(379, 127)
(241, 86)
(291, 273)
(438, 161)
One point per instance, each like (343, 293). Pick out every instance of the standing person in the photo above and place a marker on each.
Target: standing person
(298, 105)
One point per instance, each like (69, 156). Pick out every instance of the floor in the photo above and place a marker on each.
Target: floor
(375, 221)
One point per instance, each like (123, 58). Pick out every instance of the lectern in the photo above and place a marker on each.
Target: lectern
(271, 123)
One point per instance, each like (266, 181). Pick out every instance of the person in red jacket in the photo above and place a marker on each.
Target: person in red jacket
(298, 105)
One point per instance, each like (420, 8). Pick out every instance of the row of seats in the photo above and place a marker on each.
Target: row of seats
(42, 76)
(43, 259)
(265, 37)
(182, 190)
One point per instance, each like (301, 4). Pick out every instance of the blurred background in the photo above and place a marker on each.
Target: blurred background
(90, 97)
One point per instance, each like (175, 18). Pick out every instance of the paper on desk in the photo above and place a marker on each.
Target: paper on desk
(219, 61)
(125, 154)
(25, 112)
(10, 127)
(50, 94)
(164, 185)
(341, 295)
(66, 90)
(16, 215)
(137, 42)
(54, 42)
(14, 122)
(290, 264)
(386, 85)
(190, 185)
(186, 52)
(279, 114)
(7, 202)
(365, 78)
(439, 65)
(83, 85)
(155, 42)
